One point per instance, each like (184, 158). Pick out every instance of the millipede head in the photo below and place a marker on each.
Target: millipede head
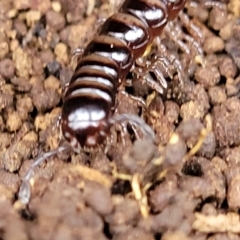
(84, 134)
(85, 126)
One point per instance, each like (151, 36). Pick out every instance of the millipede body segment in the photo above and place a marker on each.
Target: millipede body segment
(89, 100)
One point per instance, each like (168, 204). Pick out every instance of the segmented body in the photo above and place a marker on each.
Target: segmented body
(89, 100)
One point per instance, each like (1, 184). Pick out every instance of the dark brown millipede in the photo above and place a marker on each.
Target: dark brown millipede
(89, 99)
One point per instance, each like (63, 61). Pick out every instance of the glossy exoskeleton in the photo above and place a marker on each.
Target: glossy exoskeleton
(89, 101)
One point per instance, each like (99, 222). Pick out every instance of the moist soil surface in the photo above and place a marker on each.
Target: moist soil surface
(183, 185)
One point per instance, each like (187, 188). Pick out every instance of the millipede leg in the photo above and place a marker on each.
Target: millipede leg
(155, 85)
(207, 3)
(196, 38)
(140, 102)
(191, 27)
(134, 120)
(78, 52)
(165, 62)
(172, 65)
(173, 62)
(143, 74)
(24, 193)
(175, 33)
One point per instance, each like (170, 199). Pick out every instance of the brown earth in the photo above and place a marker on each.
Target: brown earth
(183, 186)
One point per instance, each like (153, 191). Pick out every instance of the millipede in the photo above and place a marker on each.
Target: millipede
(89, 99)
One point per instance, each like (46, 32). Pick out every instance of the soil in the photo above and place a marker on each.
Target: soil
(184, 185)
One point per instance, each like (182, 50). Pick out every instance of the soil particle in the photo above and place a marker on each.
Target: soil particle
(135, 233)
(6, 100)
(24, 107)
(224, 236)
(226, 31)
(217, 18)
(208, 76)
(232, 46)
(137, 161)
(124, 102)
(198, 106)
(98, 198)
(42, 122)
(161, 125)
(233, 49)
(53, 68)
(46, 56)
(5, 140)
(7, 68)
(79, 33)
(189, 131)
(209, 209)
(174, 151)
(55, 20)
(42, 6)
(23, 62)
(215, 177)
(60, 51)
(179, 214)
(209, 183)
(4, 46)
(9, 183)
(163, 194)
(74, 10)
(18, 151)
(74, 215)
(48, 94)
(219, 164)
(20, 27)
(37, 66)
(125, 214)
(213, 44)
(9, 219)
(14, 122)
(227, 67)
(231, 155)
(233, 189)
(172, 111)
(21, 84)
(235, 30)
(232, 87)
(174, 235)
(208, 147)
(226, 123)
(200, 13)
(217, 95)
(101, 163)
